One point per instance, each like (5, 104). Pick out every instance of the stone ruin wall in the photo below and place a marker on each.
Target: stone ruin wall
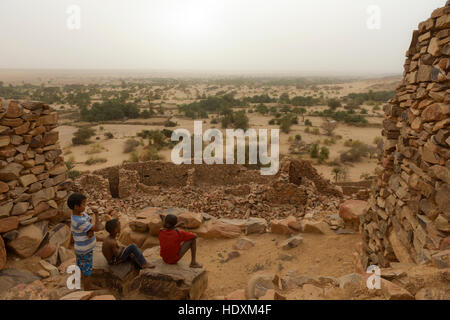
(409, 209)
(169, 175)
(33, 176)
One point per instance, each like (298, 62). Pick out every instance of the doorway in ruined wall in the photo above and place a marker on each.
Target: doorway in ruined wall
(113, 178)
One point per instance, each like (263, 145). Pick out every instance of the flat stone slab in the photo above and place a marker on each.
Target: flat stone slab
(170, 282)
(113, 277)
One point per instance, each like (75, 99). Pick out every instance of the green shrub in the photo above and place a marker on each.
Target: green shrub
(82, 136)
(94, 160)
(308, 123)
(94, 148)
(130, 145)
(109, 135)
(314, 151)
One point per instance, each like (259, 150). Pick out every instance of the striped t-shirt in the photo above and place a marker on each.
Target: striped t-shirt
(80, 225)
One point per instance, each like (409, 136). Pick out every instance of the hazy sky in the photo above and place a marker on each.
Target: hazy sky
(299, 36)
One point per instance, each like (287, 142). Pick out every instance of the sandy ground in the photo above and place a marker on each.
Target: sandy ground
(318, 255)
(113, 148)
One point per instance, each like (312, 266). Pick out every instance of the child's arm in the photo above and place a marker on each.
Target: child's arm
(96, 227)
(115, 248)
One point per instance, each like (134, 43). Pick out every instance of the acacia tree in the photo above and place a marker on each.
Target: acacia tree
(329, 127)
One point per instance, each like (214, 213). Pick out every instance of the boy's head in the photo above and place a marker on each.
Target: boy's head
(170, 221)
(77, 202)
(113, 226)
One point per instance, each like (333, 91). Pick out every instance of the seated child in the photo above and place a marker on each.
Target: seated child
(116, 254)
(175, 243)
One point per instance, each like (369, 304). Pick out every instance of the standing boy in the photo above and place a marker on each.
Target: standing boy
(83, 236)
(175, 243)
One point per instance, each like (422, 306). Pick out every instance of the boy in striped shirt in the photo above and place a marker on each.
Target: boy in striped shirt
(83, 236)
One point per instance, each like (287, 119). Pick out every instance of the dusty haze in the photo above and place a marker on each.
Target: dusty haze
(279, 36)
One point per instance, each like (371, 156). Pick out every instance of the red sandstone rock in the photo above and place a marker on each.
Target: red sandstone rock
(46, 251)
(351, 210)
(8, 224)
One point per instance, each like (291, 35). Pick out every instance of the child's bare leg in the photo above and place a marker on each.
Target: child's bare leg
(192, 245)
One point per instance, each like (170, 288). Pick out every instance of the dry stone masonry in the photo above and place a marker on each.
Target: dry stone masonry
(408, 215)
(33, 176)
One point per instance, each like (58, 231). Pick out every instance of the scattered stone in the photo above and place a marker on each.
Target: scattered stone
(291, 243)
(78, 295)
(244, 244)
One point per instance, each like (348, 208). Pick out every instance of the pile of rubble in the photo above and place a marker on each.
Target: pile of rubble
(409, 212)
(296, 190)
(33, 176)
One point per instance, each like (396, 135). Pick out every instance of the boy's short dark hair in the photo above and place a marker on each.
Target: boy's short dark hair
(111, 225)
(170, 221)
(75, 199)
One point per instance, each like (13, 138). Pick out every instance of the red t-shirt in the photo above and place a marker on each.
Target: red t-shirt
(170, 242)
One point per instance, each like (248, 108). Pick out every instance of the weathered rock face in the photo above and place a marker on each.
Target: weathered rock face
(32, 171)
(408, 216)
(170, 282)
(112, 277)
(29, 239)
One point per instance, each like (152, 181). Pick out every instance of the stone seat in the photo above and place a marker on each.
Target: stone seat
(170, 282)
(114, 277)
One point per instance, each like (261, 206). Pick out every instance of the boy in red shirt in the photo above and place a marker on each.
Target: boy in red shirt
(175, 243)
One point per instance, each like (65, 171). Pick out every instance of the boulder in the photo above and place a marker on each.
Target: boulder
(282, 226)
(255, 225)
(49, 268)
(60, 235)
(216, 229)
(235, 222)
(392, 291)
(259, 284)
(114, 277)
(291, 243)
(46, 251)
(244, 244)
(191, 220)
(351, 210)
(319, 227)
(78, 295)
(29, 239)
(9, 224)
(2, 254)
(170, 282)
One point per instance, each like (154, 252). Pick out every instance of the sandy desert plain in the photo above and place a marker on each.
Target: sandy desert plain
(165, 93)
